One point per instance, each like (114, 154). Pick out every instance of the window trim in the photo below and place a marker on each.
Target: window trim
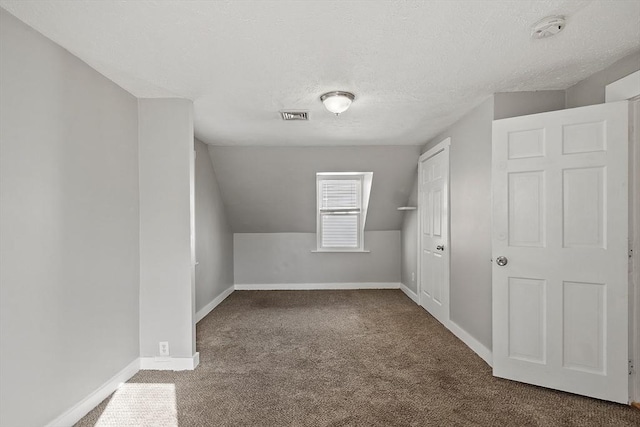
(364, 190)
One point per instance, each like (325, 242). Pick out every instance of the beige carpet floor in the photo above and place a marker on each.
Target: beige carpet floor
(338, 358)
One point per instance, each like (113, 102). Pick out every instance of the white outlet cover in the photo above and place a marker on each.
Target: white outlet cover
(163, 348)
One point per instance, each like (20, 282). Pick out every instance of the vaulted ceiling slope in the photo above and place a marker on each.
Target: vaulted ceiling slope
(273, 189)
(415, 66)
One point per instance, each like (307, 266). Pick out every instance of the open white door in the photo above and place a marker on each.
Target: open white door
(433, 205)
(560, 230)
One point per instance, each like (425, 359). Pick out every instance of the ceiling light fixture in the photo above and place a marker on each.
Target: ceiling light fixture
(337, 101)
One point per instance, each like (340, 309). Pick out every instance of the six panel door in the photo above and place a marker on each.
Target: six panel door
(560, 208)
(434, 262)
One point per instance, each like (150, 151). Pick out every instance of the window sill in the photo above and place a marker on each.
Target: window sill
(342, 251)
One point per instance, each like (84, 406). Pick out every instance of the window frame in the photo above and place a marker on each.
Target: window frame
(360, 211)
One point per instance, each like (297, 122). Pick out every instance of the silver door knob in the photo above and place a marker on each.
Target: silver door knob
(502, 261)
(440, 248)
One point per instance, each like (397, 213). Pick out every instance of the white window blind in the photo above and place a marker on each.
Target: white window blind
(340, 231)
(340, 194)
(340, 210)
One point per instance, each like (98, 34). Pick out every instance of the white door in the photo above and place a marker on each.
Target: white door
(433, 203)
(560, 208)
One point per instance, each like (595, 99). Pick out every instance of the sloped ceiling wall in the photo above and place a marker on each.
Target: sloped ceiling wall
(273, 189)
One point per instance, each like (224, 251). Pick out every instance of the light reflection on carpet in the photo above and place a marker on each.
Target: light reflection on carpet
(141, 404)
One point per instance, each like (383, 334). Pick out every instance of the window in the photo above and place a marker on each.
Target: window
(342, 207)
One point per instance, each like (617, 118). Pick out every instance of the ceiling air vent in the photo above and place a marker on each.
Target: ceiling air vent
(294, 115)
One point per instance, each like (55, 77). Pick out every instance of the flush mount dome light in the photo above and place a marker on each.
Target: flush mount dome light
(337, 101)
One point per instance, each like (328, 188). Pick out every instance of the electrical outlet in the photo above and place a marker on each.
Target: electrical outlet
(413, 276)
(164, 348)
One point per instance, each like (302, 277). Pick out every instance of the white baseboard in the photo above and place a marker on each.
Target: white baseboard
(464, 336)
(82, 408)
(409, 293)
(471, 342)
(170, 363)
(213, 304)
(315, 286)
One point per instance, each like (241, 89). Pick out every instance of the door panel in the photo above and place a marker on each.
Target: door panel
(437, 213)
(583, 198)
(583, 138)
(527, 314)
(438, 277)
(426, 276)
(560, 217)
(584, 325)
(526, 209)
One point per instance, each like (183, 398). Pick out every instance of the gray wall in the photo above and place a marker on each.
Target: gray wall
(167, 282)
(409, 236)
(470, 210)
(473, 140)
(69, 226)
(266, 258)
(273, 189)
(591, 90)
(214, 240)
(470, 175)
(513, 104)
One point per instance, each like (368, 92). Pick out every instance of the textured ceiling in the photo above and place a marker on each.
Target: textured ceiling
(415, 67)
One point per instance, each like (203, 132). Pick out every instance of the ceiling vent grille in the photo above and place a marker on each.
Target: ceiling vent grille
(294, 115)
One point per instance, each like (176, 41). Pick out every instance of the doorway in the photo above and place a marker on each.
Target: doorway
(433, 226)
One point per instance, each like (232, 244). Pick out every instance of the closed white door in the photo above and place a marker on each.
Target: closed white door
(433, 172)
(560, 230)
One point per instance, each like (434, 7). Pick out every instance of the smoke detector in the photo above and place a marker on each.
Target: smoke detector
(294, 115)
(548, 27)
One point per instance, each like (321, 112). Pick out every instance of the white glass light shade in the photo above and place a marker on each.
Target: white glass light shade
(337, 102)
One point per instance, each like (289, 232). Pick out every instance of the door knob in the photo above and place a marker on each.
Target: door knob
(502, 261)
(440, 248)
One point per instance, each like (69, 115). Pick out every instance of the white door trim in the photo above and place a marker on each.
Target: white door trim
(623, 89)
(438, 148)
(441, 146)
(628, 88)
(634, 240)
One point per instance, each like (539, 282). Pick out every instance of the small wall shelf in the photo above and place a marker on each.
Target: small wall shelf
(407, 208)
